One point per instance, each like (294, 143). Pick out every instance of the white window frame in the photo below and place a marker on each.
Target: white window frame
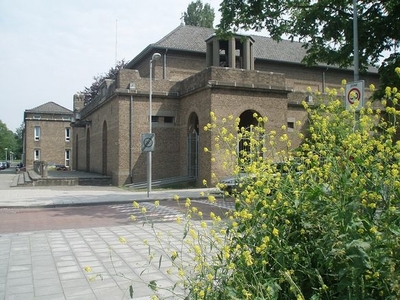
(36, 155)
(67, 134)
(67, 157)
(36, 133)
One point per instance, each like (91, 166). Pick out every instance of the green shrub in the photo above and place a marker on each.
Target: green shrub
(327, 226)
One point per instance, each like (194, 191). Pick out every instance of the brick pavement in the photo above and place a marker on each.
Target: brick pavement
(51, 264)
(47, 264)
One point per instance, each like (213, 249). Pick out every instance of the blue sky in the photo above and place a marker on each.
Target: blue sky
(49, 50)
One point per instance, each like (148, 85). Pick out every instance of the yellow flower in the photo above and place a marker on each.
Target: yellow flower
(247, 257)
(157, 203)
(178, 219)
(87, 269)
(181, 273)
(135, 204)
(206, 149)
(144, 210)
(176, 197)
(122, 240)
(397, 70)
(211, 199)
(275, 232)
(174, 255)
(344, 82)
(373, 230)
(204, 182)
(133, 217)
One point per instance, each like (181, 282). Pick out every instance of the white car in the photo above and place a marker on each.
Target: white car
(237, 183)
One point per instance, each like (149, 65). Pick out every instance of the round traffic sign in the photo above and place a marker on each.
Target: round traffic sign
(353, 95)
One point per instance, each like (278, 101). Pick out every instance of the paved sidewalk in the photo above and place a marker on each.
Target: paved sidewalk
(51, 264)
(84, 195)
(48, 265)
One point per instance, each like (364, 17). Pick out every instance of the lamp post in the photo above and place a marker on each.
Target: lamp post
(154, 57)
(355, 41)
(6, 149)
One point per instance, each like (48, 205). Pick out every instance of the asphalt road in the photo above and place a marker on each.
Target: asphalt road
(15, 220)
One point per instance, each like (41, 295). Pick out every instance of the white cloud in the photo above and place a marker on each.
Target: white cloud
(53, 49)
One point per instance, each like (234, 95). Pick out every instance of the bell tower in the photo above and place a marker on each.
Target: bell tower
(236, 52)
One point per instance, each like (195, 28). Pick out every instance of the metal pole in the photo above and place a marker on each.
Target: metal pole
(355, 41)
(150, 130)
(149, 168)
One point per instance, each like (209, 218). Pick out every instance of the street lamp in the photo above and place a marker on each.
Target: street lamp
(154, 57)
(6, 149)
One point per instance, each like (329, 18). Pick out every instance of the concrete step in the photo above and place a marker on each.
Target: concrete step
(27, 179)
(14, 182)
(21, 178)
(165, 182)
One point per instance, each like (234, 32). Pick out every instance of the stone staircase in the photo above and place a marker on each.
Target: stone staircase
(165, 182)
(31, 178)
(24, 178)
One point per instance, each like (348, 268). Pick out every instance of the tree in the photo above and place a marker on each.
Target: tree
(7, 140)
(325, 27)
(18, 135)
(91, 92)
(388, 76)
(200, 15)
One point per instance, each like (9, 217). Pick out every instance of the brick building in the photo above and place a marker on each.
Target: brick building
(47, 135)
(196, 74)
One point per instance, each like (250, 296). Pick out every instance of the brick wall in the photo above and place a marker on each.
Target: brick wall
(52, 143)
(221, 90)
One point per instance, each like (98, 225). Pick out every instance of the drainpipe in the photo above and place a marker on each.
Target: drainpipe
(165, 65)
(324, 80)
(130, 138)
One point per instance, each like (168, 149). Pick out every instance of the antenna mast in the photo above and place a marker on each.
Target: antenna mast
(116, 41)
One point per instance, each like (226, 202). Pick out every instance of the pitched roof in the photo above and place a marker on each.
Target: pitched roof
(192, 38)
(49, 108)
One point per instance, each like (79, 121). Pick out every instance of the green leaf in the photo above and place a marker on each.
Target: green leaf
(159, 261)
(153, 285)
(131, 291)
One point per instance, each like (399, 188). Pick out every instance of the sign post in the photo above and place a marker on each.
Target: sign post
(147, 142)
(354, 93)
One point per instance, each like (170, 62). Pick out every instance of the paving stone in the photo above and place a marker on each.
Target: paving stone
(48, 290)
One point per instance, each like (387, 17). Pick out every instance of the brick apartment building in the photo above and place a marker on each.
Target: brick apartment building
(196, 74)
(47, 135)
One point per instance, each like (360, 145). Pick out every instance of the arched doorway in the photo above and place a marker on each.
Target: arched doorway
(88, 150)
(104, 149)
(248, 122)
(193, 145)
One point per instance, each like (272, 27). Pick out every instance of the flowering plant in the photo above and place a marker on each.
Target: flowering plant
(327, 225)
